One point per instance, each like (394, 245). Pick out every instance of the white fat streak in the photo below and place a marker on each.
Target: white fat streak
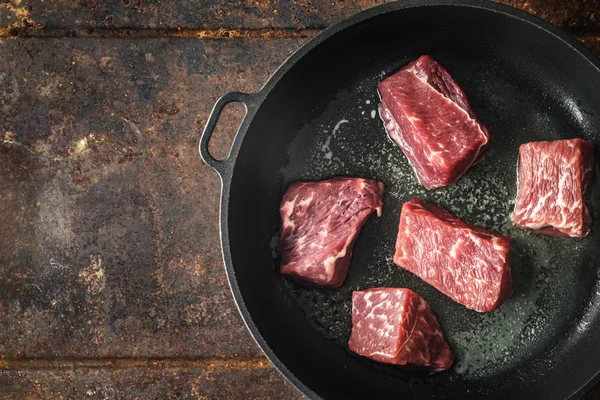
(389, 327)
(455, 247)
(434, 156)
(288, 208)
(467, 116)
(306, 201)
(380, 305)
(379, 353)
(533, 211)
(411, 331)
(367, 299)
(329, 262)
(540, 204)
(500, 249)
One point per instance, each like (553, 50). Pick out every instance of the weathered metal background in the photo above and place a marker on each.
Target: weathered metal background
(111, 279)
(235, 14)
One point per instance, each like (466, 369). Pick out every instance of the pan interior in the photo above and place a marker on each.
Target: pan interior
(320, 120)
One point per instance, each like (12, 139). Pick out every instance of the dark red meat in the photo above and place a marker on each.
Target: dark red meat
(553, 181)
(427, 114)
(471, 265)
(396, 326)
(320, 223)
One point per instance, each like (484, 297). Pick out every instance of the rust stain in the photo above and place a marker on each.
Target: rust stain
(81, 145)
(181, 33)
(213, 363)
(93, 276)
(264, 18)
(176, 275)
(247, 33)
(22, 15)
(9, 140)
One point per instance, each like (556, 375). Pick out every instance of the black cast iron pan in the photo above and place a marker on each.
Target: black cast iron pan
(315, 118)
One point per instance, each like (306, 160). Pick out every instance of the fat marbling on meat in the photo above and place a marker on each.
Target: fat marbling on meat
(471, 265)
(396, 326)
(320, 223)
(428, 116)
(553, 181)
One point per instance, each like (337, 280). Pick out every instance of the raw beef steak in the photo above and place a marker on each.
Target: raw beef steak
(396, 326)
(471, 265)
(427, 114)
(321, 221)
(553, 181)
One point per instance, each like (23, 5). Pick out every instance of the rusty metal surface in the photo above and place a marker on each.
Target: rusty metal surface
(111, 279)
(86, 16)
(172, 383)
(109, 241)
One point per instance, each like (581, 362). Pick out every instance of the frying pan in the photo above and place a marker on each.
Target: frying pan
(315, 118)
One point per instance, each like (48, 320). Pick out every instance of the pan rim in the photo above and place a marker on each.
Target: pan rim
(286, 65)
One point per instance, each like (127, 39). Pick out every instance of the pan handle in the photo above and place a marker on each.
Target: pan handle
(248, 100)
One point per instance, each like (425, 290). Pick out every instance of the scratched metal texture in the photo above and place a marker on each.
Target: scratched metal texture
(111, 279)
(234, 14)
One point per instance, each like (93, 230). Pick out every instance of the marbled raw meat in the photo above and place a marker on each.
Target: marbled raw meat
(427, 114)
(471, 265)
(396, 326)
(553, 182)
(320, 223)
